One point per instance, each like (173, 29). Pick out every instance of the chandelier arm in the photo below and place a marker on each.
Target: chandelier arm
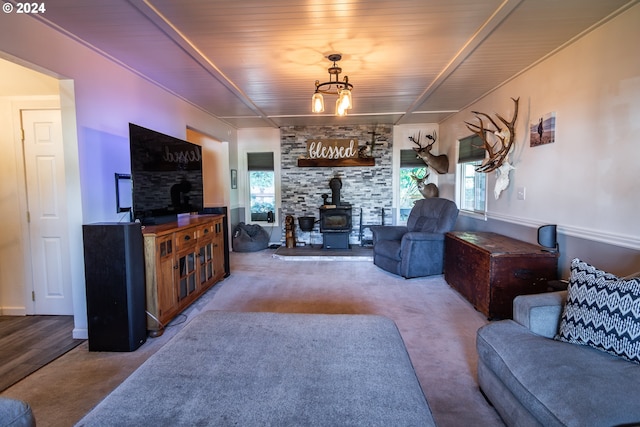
(329, 91)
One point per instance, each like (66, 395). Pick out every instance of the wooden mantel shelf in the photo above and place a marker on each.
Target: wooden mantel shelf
(329, 163)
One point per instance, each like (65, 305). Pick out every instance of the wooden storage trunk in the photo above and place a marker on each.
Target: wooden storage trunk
(490, 270)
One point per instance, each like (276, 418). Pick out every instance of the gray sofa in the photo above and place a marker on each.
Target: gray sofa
(533, 380)
(15, 413)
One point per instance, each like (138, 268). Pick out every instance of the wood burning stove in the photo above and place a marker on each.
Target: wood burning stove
(335, 226)
(335, 219)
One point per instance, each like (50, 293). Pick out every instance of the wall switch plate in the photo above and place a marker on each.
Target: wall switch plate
(522, 193)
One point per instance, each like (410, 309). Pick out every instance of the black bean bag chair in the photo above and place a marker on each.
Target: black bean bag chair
(249, 238)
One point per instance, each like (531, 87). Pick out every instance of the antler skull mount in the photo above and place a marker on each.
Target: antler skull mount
(500, 143)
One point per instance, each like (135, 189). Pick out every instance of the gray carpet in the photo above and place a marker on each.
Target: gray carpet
(438, 327)
(274, 369)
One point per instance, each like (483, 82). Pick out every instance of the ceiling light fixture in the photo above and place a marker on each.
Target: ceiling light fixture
(333, 87)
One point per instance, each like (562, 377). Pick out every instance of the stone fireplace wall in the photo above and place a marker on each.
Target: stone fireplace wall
(369, 188)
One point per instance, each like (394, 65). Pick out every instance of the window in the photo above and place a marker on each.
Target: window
(472, 185)
(410, 164)
(262, 192)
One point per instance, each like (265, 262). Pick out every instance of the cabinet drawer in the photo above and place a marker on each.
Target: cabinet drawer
(206, 231)
(186, 238)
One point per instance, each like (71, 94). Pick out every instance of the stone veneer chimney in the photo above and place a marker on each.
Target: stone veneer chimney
(369, 188)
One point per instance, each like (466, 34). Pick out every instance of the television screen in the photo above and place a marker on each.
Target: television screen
(166, 174)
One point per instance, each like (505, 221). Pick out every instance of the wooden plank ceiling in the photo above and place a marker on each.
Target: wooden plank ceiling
(253, 63)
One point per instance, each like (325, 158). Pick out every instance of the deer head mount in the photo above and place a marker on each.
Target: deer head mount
(426, 189)
(439, 163)
(499, 145)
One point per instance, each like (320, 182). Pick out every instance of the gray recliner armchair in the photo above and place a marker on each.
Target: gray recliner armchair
(417, 249)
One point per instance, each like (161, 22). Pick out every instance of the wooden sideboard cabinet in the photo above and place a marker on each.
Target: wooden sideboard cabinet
(490, 270)
(182, 260)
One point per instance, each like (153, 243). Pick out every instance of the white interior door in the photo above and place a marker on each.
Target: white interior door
(48, 222)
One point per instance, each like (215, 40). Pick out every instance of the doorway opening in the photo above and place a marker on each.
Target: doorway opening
(40, 188)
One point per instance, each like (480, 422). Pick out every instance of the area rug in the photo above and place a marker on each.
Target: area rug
(272, 369)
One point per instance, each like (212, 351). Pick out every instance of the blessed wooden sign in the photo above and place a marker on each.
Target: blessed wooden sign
(332, 148)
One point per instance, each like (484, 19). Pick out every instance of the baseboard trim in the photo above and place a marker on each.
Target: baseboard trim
(80, 334)
(13, 311)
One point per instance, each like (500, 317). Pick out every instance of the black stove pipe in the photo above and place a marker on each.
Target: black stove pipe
(335, 184)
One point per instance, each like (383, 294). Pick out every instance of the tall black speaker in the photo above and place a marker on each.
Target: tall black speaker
(114, 273)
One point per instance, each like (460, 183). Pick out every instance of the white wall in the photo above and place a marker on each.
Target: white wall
(588, 181)
(20, 81)
(99, 99)
(215, 172)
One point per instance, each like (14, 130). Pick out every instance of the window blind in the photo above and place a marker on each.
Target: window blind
(260, 161)
(409, 159)
(471, 149)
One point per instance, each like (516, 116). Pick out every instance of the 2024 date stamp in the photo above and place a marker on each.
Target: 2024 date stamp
(28, 8)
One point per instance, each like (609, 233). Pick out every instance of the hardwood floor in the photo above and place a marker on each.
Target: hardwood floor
(29, 342)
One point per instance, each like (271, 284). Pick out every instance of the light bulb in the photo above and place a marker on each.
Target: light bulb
(340, 110)
(345, 99)
(317, 103)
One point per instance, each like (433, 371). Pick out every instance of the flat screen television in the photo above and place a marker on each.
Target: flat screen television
(166, 175)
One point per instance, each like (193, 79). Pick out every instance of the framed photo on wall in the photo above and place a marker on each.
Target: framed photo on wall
(543, 131)
(234, 179)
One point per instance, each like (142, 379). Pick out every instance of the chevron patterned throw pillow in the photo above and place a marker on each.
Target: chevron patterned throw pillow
(602, 311)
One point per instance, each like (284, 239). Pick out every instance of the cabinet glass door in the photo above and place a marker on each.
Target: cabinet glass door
(206, 263)
(166, 291)
(187, 265)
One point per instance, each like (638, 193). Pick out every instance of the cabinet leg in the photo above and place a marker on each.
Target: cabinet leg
(156, 333)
